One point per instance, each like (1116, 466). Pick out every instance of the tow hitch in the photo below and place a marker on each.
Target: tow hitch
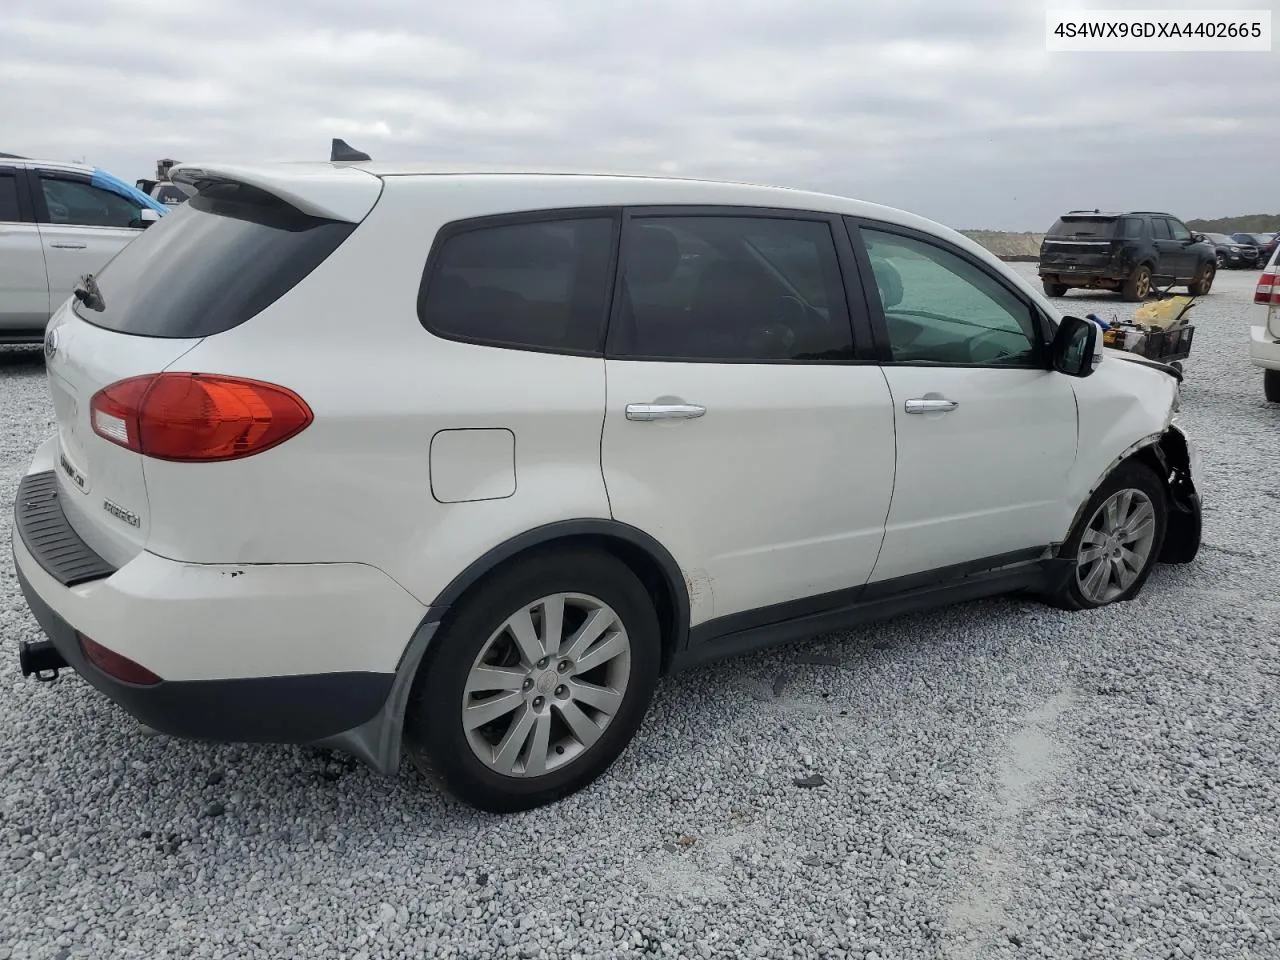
(42, 659)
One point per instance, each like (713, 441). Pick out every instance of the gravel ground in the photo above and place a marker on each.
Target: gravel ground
(997, 780)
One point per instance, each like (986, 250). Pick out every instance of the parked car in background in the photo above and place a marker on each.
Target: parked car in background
(1266, 243)
(58, 222)
(1264, 330)
(565, 456)
(1233, 254)
(168, 192)
(1126, 252)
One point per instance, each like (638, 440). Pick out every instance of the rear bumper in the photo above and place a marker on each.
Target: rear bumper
(1065, 273)
(302, 708)
(279, 653)
(1264, 351)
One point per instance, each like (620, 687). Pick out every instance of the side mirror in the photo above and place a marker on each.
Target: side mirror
(146, 217)
(1077, 347)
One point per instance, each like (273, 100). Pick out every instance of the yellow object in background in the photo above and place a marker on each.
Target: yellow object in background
(1163, 314)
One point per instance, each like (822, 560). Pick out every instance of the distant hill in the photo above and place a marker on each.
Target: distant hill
(1248, 223)
(1006, 245)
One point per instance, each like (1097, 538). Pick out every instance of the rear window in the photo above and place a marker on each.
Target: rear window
(540, 285)
(211, 264)
(1087, 227)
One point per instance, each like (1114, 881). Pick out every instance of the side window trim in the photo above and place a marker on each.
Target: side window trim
(861, 328)
(455, 227)
(855, 224)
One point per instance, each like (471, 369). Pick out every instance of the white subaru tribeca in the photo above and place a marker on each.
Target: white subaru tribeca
(369, 457)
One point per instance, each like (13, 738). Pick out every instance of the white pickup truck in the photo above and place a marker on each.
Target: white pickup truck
(58, 222)
(1264, 328)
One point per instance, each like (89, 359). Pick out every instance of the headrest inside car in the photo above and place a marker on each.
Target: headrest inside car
(888, 280)
(653, 255)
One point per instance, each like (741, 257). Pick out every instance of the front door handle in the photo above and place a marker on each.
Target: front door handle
(930, 405)
(664, 411)
(68, 245)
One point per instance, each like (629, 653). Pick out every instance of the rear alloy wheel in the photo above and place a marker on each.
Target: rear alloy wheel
(538, 682)
(1203, 281)
(1138, 286)
(1117, 540)
(1271, 385)
(1055, 289)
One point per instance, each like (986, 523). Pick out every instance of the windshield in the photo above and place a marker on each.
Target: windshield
(1103, 227)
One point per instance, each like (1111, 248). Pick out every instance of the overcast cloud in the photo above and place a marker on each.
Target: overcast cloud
(952, 110)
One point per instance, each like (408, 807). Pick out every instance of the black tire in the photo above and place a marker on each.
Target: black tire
(1271, 385)
(1138, 285)
(1054, 289)
(434, 735)
(1203, 282)
(1130, 475)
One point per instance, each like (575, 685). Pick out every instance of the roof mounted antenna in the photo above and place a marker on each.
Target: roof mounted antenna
(343, 152)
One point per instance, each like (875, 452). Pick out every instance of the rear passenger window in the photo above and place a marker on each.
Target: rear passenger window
(532, 286)
(1161, 227)
(733, 288)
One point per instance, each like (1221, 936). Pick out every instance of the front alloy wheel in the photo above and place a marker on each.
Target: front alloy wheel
(1115, 549)
(546, 685)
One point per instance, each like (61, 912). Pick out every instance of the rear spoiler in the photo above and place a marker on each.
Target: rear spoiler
(318, 189)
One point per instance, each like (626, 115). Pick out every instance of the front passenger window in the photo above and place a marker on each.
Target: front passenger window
(941, 309)
(1180, 232)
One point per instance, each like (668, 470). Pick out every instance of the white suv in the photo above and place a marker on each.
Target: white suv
(58, 222)
(1264, 334)
(479, 456)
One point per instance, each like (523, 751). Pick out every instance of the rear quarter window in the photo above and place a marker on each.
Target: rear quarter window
(211, 264)
(541, 285)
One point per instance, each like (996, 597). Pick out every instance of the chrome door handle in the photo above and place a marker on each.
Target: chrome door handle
(664, 411)
(68, 245)
(930, 406)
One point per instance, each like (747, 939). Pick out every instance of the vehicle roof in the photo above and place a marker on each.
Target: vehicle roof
(1105, 214)
(47, 164)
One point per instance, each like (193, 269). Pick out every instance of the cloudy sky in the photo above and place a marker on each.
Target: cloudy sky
(952, 110)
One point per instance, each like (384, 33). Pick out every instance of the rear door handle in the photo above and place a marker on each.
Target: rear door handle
(664, 411)
(930, 405)
(68, 245)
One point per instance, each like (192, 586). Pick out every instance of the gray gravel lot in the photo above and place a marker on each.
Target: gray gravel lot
(1001, 780)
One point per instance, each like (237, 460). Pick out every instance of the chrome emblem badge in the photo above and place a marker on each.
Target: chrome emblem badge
(120, 513)
(51, 343)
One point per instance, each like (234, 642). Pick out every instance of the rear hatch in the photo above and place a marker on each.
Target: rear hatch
(210, 265)
(1080, 242)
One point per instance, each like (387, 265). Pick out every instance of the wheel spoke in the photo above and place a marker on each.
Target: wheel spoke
(578, 722)
(526, 637)
(1138, 525)
(535, 763)
(508, 751)
(1123, 502)
(614, 646)
(1091, 554)
(1097, 579)
(1120, 574)
(552, 623)
(1093, 537)
(484, 678)
(1131, 560)
(1111, 515)
(486, 711)
(588, 633)
(604, 699)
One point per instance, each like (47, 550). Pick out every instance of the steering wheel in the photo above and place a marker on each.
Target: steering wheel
(977, 354)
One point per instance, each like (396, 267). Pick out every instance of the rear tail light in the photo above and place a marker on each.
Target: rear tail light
(1268, 290)
(197, 417)
(115, 665)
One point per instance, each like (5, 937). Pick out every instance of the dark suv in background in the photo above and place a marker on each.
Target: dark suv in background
(1125, 252)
